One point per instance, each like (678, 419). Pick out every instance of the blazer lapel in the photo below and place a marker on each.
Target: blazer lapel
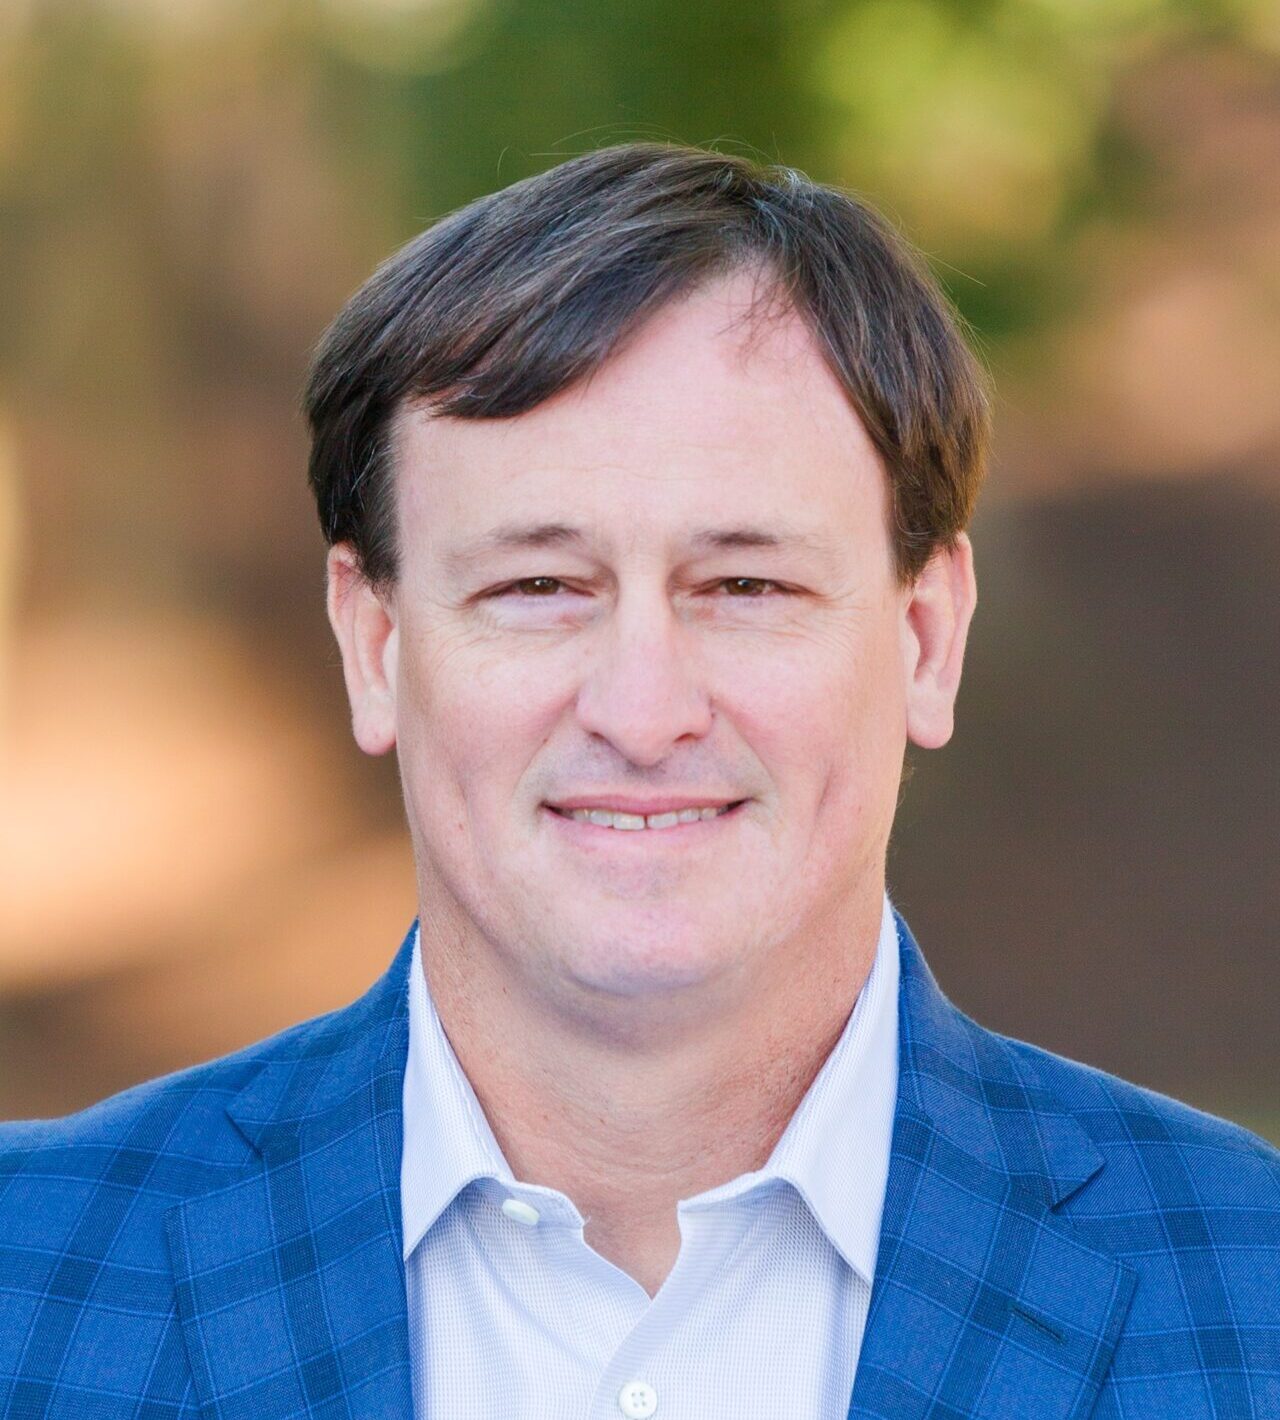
(986, 1304)
(290, 1282)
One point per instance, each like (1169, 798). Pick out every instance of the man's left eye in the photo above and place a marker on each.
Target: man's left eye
(748, 586)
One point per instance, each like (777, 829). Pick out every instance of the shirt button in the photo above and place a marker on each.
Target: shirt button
(636, 1400)
(522, 1213)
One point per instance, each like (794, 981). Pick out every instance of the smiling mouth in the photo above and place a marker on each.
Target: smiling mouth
(637, 823)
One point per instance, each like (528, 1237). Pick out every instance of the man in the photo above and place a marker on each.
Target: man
(646, 483)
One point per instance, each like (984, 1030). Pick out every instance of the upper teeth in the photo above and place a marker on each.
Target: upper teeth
(605, 818)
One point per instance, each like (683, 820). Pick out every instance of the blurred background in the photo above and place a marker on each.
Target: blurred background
(192, 851)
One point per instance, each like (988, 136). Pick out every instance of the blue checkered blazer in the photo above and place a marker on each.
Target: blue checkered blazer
(225, 1242)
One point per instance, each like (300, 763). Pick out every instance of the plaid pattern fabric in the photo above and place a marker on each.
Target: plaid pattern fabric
(225, 1243)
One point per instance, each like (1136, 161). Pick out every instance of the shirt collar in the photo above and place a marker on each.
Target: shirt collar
(834, 1150)
(447, 1139)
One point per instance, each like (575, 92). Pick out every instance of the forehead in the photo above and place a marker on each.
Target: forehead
(719, 414)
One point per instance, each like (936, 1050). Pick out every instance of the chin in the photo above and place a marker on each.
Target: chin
(644, 959)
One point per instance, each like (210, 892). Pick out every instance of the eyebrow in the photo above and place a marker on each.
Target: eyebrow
(526, 535)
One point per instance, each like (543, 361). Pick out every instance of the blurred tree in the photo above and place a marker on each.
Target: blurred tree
(986, 126)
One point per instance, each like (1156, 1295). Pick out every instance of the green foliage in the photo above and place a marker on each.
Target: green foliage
(983, 126)
(986, 128)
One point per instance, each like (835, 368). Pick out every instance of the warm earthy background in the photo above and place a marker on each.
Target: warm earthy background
(192, 853)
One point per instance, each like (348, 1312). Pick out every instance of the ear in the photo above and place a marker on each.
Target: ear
(935, 628)
(365, 625)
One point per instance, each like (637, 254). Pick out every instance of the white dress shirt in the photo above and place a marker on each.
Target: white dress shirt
(514, 1316)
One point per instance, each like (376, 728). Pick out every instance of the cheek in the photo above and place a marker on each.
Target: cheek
(820, 706)
(471, 718)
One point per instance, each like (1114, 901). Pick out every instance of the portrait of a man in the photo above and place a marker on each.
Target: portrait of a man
(646, 483)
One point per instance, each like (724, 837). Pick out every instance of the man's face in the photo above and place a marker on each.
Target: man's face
(717, 622)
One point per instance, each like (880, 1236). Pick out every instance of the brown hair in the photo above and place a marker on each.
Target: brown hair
(521, 293)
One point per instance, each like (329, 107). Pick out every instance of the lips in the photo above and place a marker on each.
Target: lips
(629, 804)
(670, 823)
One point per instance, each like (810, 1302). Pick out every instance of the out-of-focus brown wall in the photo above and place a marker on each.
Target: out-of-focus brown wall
(193, 854)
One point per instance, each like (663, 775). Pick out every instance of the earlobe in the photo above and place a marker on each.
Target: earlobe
(364, 624)
(935, 630)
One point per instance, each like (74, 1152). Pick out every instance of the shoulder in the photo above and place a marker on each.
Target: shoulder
(84, 1203)
(1189, 1202)
(1158, 1149)
(131, 1156)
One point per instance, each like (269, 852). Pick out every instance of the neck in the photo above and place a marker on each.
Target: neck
(626, 1129)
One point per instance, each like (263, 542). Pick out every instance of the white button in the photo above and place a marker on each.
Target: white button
(637, 1400)
(522, 1213)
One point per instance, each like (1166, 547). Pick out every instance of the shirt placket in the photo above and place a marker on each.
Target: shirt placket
(640, 1379)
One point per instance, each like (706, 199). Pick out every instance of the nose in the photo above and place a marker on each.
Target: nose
(642, 690)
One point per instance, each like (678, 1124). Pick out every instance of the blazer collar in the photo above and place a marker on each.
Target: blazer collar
(986, 1303)
(313, 1075)
(981, 1093)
